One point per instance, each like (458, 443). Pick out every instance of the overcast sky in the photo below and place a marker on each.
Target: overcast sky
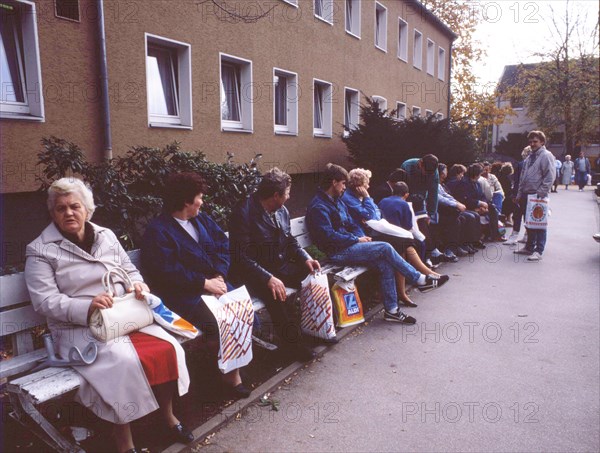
(512, 31)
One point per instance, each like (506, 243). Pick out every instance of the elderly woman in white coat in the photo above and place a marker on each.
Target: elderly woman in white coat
(63, 271)
(567, 171)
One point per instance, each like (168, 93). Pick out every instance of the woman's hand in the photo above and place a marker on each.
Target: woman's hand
(215, 286)
(362, 191)
(138, 287)
(101, 301)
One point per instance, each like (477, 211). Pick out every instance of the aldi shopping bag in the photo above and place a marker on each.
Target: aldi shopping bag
(234, 314)
(348, 306)
(537, 212)
(316, 309)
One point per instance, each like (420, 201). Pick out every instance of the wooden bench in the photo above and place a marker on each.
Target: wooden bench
(28, 389)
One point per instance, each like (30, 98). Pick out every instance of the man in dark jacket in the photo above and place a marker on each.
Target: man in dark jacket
(266, 257)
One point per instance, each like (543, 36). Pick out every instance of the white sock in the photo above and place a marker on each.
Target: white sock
(422, 279)
(394, 311)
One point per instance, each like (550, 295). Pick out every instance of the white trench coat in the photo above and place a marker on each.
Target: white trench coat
(62, 280)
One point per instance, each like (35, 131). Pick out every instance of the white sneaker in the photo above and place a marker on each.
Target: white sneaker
(512, 239)
(535, 256)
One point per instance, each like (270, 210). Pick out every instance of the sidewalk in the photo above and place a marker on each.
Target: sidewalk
(505, 357)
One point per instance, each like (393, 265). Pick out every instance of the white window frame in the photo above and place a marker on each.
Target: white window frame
(29, 67)
(68, 18)
(439, 116)
(380, 34)
(291, 2)
(292, 87)
(441, 64)
(356, 15)
(183, 118)
(418, 49)
(325, 130)
(430, 57)
(381, 102)
(402, 40)
(245, 124)
(400, 111)
(416, 111)
(327, 9)
(351, 109)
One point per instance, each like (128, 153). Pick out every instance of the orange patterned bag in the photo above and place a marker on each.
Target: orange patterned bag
(348, 306)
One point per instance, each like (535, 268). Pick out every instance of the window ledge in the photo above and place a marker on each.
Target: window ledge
(321, 135)
(235, 129)
(169, 126)
(21, 116)
(322, 19)
(381, 48)
(292, 134)
(405, 60)
(353, 34)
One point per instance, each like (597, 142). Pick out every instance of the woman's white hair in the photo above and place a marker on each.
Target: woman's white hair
(526, 152)
(358, 177)
(67, 186)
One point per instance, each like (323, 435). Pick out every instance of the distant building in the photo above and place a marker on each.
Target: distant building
(284, 86)
(522, 123)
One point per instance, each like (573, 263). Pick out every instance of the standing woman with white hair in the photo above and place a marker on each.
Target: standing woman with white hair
(567, 171)
(130, 377)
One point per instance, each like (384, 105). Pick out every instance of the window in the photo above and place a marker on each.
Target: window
(402, 40)
(416, 111)
(324, 10)
(439, 116)
(400, 110)
(236, 94)
(353, 17)
(168, 82)
(428, 113)
(292, 2)
(67, 9)
(381, 102)
(285, 102)
(21, 94)
(322, 108)
(441, 64)
(351, 101)
(430, 57)
(418, 50)
(380, 26)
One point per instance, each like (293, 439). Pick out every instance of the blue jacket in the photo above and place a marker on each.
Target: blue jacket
(396, 211)
(426, 186)
(330, 225)
(360, 210)
(176, 265)
(466, 192)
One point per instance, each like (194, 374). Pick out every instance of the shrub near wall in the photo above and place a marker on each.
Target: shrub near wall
(381, 142)
(127, 189)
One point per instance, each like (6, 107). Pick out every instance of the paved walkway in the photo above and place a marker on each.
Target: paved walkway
(504, 358)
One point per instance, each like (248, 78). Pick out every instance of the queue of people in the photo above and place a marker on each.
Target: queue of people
(185, 255)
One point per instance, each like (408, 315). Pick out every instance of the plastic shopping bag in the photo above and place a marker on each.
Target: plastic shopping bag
(348, 306)
(235, 316)
(537, 212)
(170, 320)
(316, 308)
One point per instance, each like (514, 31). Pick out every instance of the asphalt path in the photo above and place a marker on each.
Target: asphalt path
(505, 357)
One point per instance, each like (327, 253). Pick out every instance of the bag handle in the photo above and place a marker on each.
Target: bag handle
(107, 279)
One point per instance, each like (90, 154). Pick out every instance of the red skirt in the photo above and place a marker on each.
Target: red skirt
(157, 356)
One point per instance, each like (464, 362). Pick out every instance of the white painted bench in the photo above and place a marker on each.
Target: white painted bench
(32, 389)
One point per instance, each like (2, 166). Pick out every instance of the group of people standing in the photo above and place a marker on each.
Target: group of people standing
(567, 171)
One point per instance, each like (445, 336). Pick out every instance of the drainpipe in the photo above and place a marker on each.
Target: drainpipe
(449, 79)
(107, 141)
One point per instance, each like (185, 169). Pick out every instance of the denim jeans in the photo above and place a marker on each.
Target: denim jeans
(497, 200)
(384, 258)
(581, 178)
(536, 240)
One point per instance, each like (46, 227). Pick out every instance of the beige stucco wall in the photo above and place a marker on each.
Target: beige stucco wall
(288, 38)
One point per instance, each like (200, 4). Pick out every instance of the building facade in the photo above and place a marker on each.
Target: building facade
(107, 75)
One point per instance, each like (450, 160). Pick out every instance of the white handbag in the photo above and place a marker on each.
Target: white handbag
(127, 314)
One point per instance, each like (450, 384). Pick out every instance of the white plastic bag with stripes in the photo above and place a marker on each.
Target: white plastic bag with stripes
(316, 307)
(235, 315)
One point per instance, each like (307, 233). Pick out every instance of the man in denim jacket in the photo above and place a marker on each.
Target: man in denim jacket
(335, 233)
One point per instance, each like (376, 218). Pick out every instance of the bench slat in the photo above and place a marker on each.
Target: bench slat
(20, 319)
(13, 290)
(21, 363)
(46, 384)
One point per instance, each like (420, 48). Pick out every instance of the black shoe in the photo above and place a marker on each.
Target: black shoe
(180, 433)
(301, 353)
(523, 252)
(450, 257)
(460, 252)
(398, 317)
(408, 303)
(333, 340)
(470, 249)
(432, 282)
(479, 245)
(241, 391)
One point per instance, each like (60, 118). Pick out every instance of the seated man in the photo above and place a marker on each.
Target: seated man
(385, 189)
(468, 192)
(333, 231)
(266, 257)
